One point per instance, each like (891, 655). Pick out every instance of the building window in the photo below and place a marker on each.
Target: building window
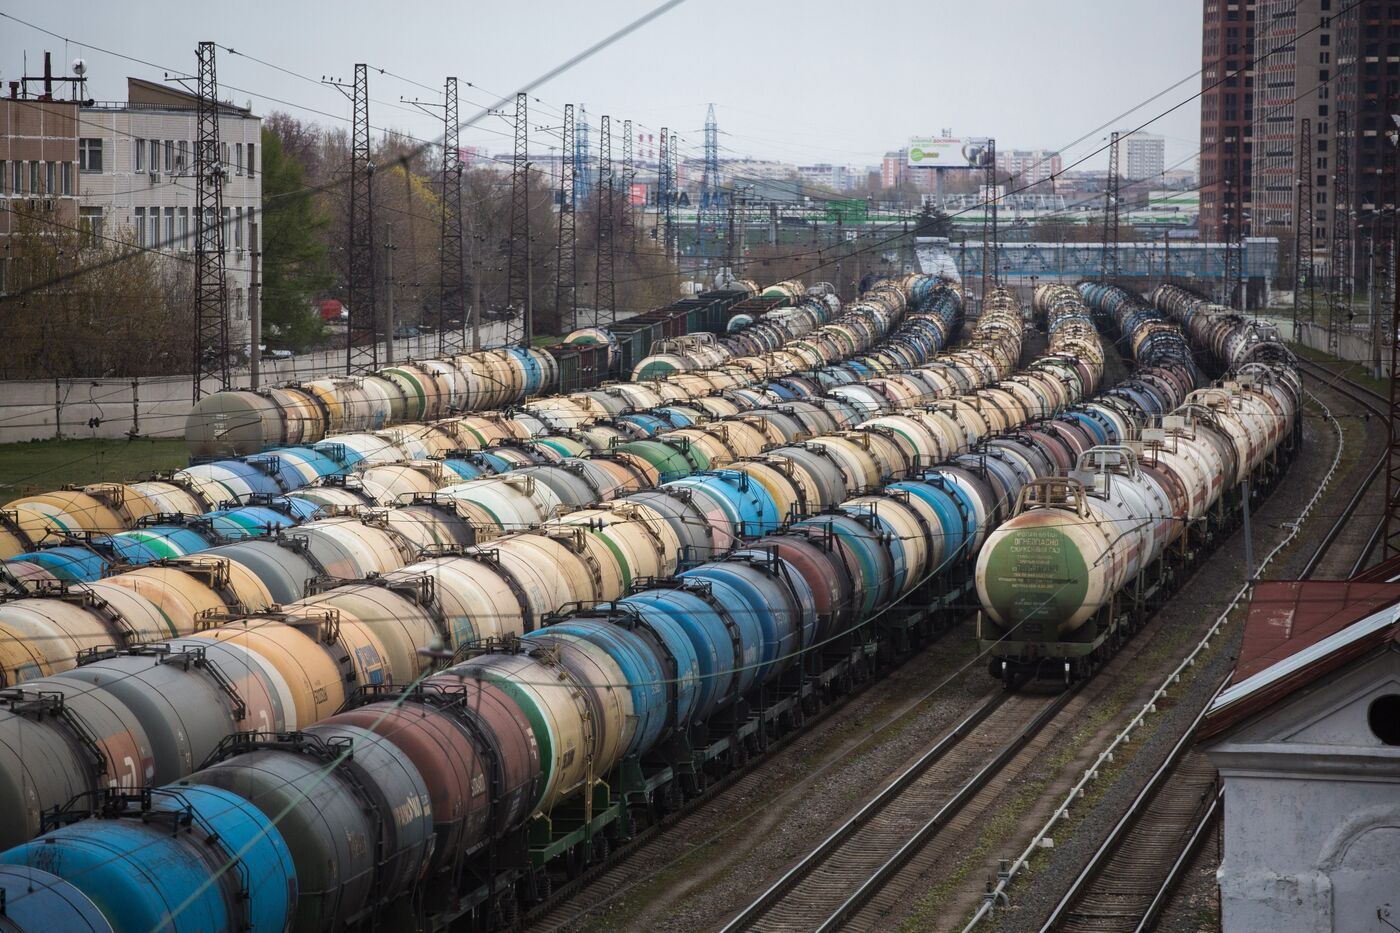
(182, 161)
(34, 178)
(1322, 197)
(224, 155)
(238, 158)
(238, 228)
(89, 155)
(50, 178)
(4, 177)
(1324, 58)
(226, 220)
(155, 155)
(153, 239)
(67, 173)
(170, 228)
(18, 186)
(169, 155)
(90, 223)
(140, 226)
(184, 229)
(251, 163)
(138, 148)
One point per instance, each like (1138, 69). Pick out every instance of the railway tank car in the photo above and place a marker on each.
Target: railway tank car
(1089, 553)
(551, 739)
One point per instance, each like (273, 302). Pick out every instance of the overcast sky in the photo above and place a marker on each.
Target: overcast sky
(798, 80)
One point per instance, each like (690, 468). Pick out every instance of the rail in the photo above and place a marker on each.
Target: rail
(1116, 835)
(998, 893)
(872, 881)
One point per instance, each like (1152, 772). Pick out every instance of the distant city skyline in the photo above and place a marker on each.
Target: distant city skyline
(837, 101)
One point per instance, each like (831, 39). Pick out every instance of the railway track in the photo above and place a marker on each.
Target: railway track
(1360, 537)
(846, 874)
(1130, 878)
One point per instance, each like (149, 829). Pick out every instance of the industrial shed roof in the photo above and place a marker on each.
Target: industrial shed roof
(1297, 631)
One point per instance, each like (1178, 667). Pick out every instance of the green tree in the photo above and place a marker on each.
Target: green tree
(294, 267)
(933, 222)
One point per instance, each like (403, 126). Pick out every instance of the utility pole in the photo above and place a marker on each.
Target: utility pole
(672, 204)
(211, 346)
(389, 250)
(1390, 544)
(255, 307)
(604, 293)
(1108, 261)
(517, 265)
(476, 294)
(362, 340)
(566, 275)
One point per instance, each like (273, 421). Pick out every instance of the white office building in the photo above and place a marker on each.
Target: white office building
(137, 170)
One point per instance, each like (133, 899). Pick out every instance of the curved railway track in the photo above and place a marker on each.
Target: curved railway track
(847, 871)
(1130, 878)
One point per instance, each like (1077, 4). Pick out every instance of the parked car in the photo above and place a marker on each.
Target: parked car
(276, 353)
(332, 310)
(405, 330)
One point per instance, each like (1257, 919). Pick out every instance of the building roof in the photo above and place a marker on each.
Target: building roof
(141, 92)
(1297, 631)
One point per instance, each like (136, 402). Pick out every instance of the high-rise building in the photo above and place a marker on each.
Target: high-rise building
(1295, 74)
(1144, 159)
(1318, 60)
(1227, 83)
(1366, 63)
(1029, 167)
(892, 168)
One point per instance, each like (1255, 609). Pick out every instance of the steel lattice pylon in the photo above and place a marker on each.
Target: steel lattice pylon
(1304, 228)
(629, 176)
(604, 288)
(453, 268)
(663, 191)
(672, 234)
(566, 280)
(989, 218)
(211, 346)
(1108, 261)
(518, 258)
(1339, 295)
(362, 342)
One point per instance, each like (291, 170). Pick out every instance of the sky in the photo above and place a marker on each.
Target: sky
(797, 80)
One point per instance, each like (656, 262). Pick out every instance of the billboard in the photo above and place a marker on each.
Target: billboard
(947, 151)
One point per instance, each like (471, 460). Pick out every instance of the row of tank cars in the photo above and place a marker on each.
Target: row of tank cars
(239, 422)
(289, 452)
(1089, 554)
(392, 510)
(649, 758)
(542, 742)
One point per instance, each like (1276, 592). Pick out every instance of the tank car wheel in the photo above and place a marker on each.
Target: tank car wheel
(507, 910)
(601, 847)
(544, 885)
(627, 826)
(573, 862)
(739, 753)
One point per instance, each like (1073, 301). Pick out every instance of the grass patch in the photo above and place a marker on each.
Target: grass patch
(35, 467)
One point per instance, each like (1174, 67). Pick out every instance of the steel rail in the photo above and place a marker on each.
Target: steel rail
(882, 874)
(862, 816)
